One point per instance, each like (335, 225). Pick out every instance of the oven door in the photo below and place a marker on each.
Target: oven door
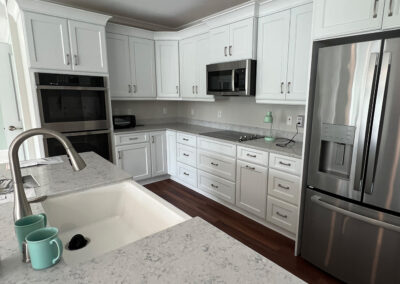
(96, 141)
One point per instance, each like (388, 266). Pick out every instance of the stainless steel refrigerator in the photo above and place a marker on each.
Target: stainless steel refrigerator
(351, 223)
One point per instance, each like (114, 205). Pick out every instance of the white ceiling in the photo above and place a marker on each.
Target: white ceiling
(160, 14)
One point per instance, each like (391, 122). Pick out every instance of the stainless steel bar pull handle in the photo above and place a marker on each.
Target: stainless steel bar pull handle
(129, 88)
(177, 89)
(76, 59)
(186, 155)
(250, 168)
(230, 50)
(134, 88)
(375, 9)
(281, 215)
(283, 187)
(214, 164)
(193, 89)
(282, 87)
(67, 59)
(285, 164)
(225, 50)
(119, 155)
(251, 156)
(390, 8)
(288, 87)
(213, 185)
(185, 173)
(197, 89)
(318, 200)
(13, 128)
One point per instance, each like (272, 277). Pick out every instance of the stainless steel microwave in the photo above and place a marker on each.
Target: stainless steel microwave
(237, 78)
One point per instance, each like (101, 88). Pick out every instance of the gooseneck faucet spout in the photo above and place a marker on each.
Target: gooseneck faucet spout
(21, 204)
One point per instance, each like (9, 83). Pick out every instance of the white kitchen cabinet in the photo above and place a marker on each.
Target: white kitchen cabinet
(158, 153)
(251, 188)
(142, 68)
(135, 160)
(283, 55)
(282, 214)
(342, 17)
(391, 14)
(233, 42)
(167, 69)
(202, 59)
(171, 152)
(48, 41)
(119, 65)
(88, 47)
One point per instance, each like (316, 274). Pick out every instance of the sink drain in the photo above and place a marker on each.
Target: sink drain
(77, 242)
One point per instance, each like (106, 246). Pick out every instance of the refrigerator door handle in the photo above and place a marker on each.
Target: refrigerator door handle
(377, 122)
(318, 200)
(364, 133)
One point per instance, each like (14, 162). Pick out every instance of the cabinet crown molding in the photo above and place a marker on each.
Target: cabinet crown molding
(269, 7)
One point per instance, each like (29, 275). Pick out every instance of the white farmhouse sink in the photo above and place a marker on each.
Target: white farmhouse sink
(111, 217)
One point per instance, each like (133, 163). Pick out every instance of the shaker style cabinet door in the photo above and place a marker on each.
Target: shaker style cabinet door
(142, 68)
(242, 40)
(88, 47)
(391, 14)
(272, 56)
(219, 43)
(171, 152)
(299, 53)
(119, 66)
(48, 42)
(135, 160)
(202, 59)
(188, 58)
(158, 153)
(342, 17)
(167, 69)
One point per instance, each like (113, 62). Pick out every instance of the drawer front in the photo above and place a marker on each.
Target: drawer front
(285, 163)
(217, 186)
(218, 165)
(187, 174)
(282, 214)
(217, 146)
(186, 139)
(284, 186)
(125, 139)
(253, 156)
(186, 155)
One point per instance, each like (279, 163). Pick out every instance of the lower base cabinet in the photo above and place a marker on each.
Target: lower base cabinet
(282, 214)
(187, 174)
(216, 186)
(135, 159)
(158, 153)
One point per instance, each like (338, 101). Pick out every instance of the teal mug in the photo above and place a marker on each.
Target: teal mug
(45, 248)
(28, 224)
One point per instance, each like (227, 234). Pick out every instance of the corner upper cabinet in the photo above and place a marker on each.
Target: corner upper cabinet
(283, 56)
(48, 41)
(342, 17)
(232, 42)
(167, 69)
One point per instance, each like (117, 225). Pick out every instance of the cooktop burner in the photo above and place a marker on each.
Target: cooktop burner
(232, 135)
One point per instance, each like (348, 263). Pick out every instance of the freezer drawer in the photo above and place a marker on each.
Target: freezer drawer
(347, 240)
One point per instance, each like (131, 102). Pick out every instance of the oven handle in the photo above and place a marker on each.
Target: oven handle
(85, 133)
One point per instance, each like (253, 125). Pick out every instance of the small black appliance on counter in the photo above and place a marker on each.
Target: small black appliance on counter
(124, 121)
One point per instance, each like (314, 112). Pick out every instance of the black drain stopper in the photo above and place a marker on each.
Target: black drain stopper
(77, 242)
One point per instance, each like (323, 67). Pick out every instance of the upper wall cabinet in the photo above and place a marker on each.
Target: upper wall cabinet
(233, 42)
(132, 67)
(167, 69)
(333, 18)
(193, 54)
(62, 44)
(283, 56)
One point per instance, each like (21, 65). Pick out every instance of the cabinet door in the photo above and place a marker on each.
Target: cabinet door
(219, 43)
(342, 17)
(251, 188)
(88, 47)
(119, 65)
(202, 59)
(142, 68)
(272, 56)
(188, 58)
(391, 14)
(158, 153)
(167, 67)
(299, 53)
(48, 42)
(135, 159)
(171, 152)
(241, 40)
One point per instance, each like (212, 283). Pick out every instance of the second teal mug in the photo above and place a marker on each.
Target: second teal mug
(28, 224)
(45, 248)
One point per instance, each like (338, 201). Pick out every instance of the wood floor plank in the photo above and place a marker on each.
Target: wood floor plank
(267, 242)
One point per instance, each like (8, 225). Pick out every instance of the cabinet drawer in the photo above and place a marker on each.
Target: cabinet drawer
(252, 155)
(186, 139)
(187, 174)
(124, 139)
(186, 155)
(282, 214)
(217, 146)
(285, 163)
(284, 186)
(217, 186)
(218, 165)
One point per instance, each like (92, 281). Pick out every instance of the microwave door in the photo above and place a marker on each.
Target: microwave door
(345, 83)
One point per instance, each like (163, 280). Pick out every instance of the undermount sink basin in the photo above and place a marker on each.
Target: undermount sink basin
(110, 217)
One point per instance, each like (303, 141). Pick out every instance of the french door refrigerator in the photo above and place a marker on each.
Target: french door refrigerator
(351, 223)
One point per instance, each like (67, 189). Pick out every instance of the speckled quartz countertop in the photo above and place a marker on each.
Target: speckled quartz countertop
(191, 252)
(293, 150)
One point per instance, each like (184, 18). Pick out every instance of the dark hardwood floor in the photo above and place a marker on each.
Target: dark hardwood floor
(270, 244)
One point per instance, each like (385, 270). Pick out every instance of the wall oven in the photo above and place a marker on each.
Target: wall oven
(237, 78)
(77, 106)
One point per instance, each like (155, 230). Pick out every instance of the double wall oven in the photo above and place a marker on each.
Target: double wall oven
(77, 106)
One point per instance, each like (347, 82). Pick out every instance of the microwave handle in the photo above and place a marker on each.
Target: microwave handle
(233, 80)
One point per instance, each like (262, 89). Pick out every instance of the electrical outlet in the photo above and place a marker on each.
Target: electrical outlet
(164, 110)
(192, 111)
(219, 114)
(300, 120)
(289, 120)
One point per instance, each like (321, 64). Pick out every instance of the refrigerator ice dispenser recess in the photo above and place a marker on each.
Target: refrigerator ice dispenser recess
(336, 149)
